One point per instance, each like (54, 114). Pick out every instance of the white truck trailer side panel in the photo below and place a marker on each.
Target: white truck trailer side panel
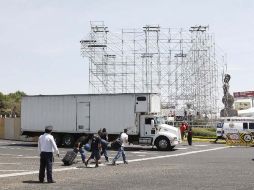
(40, 111)
(114, 112)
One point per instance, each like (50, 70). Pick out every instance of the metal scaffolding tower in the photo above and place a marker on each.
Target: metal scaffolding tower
(182, 65)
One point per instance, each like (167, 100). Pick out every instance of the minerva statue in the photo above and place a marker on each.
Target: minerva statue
(227, 100)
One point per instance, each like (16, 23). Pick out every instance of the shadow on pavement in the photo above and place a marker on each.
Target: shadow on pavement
(31, 181)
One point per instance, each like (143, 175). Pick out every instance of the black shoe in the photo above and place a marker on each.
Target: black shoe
(86, 163)
(52, 181)
(125, 162)
(41, 181)
(113, 163)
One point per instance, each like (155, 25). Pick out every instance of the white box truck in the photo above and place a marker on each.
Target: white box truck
(73, 116)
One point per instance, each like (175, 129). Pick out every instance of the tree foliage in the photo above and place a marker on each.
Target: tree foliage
(10, 104)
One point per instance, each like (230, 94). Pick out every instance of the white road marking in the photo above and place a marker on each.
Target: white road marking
(181, 148)
(176, 155)
(6, 155)
(13, 170)
(4, 147)
(35, 172)
(9, 163)
(29, 157)
(139, 152)
(200, 145)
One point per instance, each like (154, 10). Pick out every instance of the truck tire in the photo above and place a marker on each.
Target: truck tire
(162, 143)
(68, 140)
(58, 139)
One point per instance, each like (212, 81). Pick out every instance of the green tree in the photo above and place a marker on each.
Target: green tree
(10, 104)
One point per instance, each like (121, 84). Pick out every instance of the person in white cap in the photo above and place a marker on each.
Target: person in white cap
(46, 147)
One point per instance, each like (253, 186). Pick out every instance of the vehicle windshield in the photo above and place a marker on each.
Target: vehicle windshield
(219, 125)
(159, 120)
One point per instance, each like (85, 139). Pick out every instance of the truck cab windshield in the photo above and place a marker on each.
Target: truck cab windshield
(159, 120)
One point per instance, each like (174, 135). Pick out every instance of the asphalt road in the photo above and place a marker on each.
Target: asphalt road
(201, 166)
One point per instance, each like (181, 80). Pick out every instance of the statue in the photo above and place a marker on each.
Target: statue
(227, 100)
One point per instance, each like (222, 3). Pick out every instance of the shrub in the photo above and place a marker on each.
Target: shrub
(204, 132)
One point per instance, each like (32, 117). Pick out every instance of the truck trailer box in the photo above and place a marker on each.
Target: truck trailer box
(86, 113)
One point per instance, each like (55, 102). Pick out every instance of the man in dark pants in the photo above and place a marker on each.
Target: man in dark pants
(96, 149)
(189, 137)
(120, 152)
(46, 148)
(104, 143)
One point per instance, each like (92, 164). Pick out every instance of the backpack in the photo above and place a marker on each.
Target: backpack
(116, 144)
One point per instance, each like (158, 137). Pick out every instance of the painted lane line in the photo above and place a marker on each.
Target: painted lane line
(35, 172)
(176, 155)
(13, 170)
(7, 154)
(200, 145)
(10, 163)
(29, 157)
(4, 147)
(139, 152)
(181, 148)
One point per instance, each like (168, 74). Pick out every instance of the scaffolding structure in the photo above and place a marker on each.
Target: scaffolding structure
(182, 65)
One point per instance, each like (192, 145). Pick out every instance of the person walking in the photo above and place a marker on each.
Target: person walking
(78, 148)
(83, 143)
(182, 130)
(104, 143)
(120, 152)
(189, 136)
(46, 147)
(220, 136)
(95, 147)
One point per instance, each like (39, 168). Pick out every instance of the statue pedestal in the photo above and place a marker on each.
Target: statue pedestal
(228, 112)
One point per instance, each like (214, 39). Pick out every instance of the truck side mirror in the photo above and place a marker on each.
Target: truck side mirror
(152, 123)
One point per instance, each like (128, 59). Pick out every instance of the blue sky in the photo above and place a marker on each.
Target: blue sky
(39, 39)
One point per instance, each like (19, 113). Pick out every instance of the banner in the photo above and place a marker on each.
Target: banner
(240, 138)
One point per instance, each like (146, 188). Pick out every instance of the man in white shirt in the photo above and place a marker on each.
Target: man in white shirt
(124, 141)
(46, 147)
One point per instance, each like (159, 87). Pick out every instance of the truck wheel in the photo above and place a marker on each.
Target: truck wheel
(162, 143)
(58, 139)
(68, 140)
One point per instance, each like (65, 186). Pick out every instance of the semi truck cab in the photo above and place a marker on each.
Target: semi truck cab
(154, 131)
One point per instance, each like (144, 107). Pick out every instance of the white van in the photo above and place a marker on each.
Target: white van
(234, 125)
